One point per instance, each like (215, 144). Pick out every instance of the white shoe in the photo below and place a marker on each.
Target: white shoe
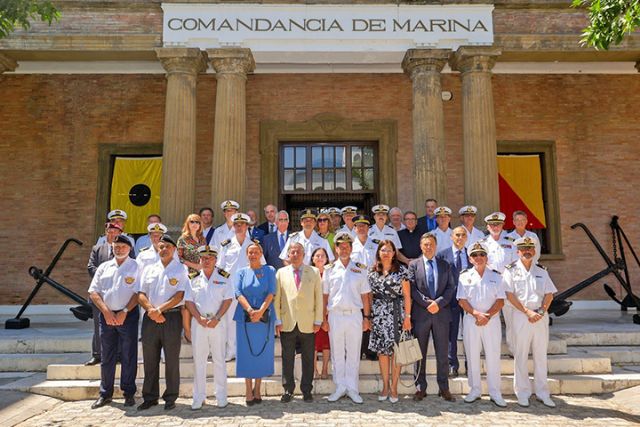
(471, 397)
(354, 396)
(340, 391)
(499, 401)
(197, 405)
(546, 401)
(222, 403)
(523, 401)
(382, 398)
(393, 399)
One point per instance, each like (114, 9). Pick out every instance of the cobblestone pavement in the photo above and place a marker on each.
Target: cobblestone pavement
(571, 410)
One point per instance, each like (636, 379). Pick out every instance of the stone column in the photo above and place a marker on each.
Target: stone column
(230, 129)
(7, 63)
(177, 196)
(478, 127)
(424, 66)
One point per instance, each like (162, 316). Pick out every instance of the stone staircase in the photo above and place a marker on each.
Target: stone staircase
(49, 361)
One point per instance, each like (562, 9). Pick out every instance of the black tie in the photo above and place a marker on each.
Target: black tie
(431, 280)
(458, 261)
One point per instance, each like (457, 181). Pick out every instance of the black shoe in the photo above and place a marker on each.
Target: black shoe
(453, 372)
(101, 402)
(286, 397)
(92, 361)
(250, 402)
(169, 405)
(129, 401)
(307, 397)
(147, 404)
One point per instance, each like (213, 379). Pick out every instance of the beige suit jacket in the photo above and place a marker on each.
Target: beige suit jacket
(302, 307)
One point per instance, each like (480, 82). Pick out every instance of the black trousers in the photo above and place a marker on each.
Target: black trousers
(156, 337)
(119, 341)
(307, 346)
(95, 342)
(454, 327)
(440, 330)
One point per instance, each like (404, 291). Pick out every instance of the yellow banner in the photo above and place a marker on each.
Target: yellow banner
(135, 188)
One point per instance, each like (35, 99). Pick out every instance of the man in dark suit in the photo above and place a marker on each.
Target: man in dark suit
(273, 243)
(254, 232)
(270, 225)
(457, 258)
(432, 288)
(428, 222)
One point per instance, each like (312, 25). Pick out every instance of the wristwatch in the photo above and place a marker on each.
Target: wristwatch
(217, 317)
(367, 317)
(126, 310)
(540, 311)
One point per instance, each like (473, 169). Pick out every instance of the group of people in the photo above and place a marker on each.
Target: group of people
(343, 285)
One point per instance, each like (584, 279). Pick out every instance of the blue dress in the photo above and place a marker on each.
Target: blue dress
(251, 360)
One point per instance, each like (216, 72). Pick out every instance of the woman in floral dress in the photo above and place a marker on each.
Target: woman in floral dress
(188, 244)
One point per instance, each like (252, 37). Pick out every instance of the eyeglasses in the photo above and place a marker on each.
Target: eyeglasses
(478, 254)
(459, 234)
(410, 219)
(283, 219)
(194, 222)
(323, 220)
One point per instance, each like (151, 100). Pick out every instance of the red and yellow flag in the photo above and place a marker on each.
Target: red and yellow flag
(520, 180)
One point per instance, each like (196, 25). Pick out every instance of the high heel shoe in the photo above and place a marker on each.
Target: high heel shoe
(382, 397)
(393, 399)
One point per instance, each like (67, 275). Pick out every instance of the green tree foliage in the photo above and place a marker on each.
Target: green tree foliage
(609, 21)
(19, 13)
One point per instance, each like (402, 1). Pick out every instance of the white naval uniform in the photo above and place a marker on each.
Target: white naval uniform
(309, 244)
(116, 284)
(443, 237)
(149, 256)
(481, 292)
(515, 236)
(345, 229)
(103, 239)
(160, 283)
(233, 257)
(364, 254)
(142, 243)
(473, 236)
(345, 287)
(208, 294)
(387, 233)
(530, 288)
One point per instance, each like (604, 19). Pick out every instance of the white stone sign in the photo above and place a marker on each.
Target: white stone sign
(289, 28)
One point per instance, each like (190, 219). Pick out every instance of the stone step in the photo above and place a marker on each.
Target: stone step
(38, 362)
(617, 354)
(369, 384)
(557, 364)
(607, 338)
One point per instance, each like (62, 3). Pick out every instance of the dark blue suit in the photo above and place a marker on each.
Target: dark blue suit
(426, 224)
(425, 323)
(271, 249)
(257, 234)
(456, 313)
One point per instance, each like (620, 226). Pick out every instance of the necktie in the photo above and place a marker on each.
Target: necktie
(282, 241)
(431, 281)
(271, 227)
(296, 274)
(458, 261)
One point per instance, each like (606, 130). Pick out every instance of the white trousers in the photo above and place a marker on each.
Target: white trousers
(476, 338)
(203, 342)
(535, 337)
(507, 312)
(345, 338)
(230, 327)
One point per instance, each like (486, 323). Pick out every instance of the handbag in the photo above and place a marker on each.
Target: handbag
(407, 351)
(263, 319)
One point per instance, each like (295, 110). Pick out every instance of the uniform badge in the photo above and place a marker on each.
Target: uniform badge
(355, 270)
(129, 280)
(506, 246)
(223, 273)
(173, 281)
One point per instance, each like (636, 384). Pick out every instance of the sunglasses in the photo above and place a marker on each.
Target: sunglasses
(478, 254)
(194, 222)
(323, 220)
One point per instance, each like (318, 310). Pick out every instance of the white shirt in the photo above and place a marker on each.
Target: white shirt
(160, 283)
(530, 286)
(208, 294)
(103, 239)
(149, 256)
(501, 252)
(116, 284)
(143, 242)
(206, 231)
(444, 238)
(345, 285)
(387, 233)
(233, 255)
(220, 234)
(346, 229)
(364, 253)
(309, 244)
(402, 227)
(481, 292)
(473, 236)
(515, 236)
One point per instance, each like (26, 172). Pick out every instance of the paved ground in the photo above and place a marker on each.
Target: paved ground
(605, 410)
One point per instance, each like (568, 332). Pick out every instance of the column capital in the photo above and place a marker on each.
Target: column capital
(182, 60)
(7, 63)
(424, 60)
(232, 60)
(474, 58)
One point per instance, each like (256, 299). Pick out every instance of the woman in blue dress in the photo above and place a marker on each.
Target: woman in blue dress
(255, 287)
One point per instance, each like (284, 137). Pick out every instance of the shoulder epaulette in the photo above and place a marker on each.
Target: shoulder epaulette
(376, 241)
(144, 249)
(496, 271)
(364, 267)
(294, 234)
(328, 265)
(225, 243)
(509, 238)
(465, 270)
(541, 266)
(223, 273)
(513, 264)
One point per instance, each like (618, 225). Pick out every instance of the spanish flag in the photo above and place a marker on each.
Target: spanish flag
(135, 188)
(520, 181)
